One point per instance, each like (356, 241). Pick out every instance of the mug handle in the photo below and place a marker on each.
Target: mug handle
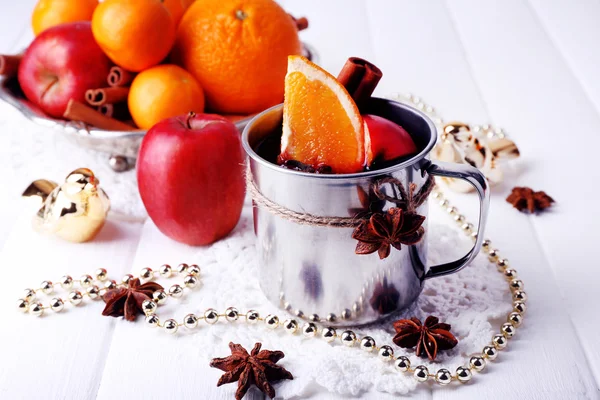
(477, 179)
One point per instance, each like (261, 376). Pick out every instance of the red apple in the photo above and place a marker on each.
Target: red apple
(385, 140)
(61, 64)
(190, 173)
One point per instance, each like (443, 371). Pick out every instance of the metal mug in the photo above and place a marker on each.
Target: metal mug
(313, 271)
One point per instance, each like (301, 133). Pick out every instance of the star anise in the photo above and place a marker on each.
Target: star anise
(258, 368)
(393, 228)
(428, 337)
(128, 301)
(524, 198)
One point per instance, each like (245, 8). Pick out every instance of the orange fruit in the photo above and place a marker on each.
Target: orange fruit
(134, 34)
(237, 49)
(321, 123)
(49, 13)
(162, 92)
(177, 8)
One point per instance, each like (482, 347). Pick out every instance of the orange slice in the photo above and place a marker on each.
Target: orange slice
(321, 123)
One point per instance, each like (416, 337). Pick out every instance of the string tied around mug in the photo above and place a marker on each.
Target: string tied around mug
(407, 200)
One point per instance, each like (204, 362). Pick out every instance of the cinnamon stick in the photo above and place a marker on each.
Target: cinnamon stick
(360, 78)
(118, 111)
(118, 76)
(301, 23)
(109, 95)
(107, 110)
(9, 65)
(77, 111)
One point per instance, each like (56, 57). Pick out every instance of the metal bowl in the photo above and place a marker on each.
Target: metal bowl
(121, 146)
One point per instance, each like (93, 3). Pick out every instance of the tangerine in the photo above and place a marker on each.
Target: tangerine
(49, 13)
(163, 92)
(134, 34)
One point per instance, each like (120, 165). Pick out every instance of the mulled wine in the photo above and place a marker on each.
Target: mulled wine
(269, 149)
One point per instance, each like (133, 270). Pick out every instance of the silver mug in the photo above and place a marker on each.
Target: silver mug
(313, 271)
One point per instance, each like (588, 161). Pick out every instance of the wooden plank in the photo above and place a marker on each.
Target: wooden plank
(139, 352)
(528, 87)
(573, 28)
(416, 47)
(337, 28)
(435, 63)
(64, 352)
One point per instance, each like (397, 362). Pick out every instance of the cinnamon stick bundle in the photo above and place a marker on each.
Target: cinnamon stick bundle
(109, 95)
(9, 65)
(360, 78)
(118, 76)
(77, 111)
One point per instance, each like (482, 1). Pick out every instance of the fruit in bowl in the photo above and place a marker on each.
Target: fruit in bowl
(135, 34)
(49, 13)
(238, 51)
(162, 92)
(177, 8)
(190, 174)
(61, 64)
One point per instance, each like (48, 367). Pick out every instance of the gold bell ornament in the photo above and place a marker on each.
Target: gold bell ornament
(74, 211)
(481, 146)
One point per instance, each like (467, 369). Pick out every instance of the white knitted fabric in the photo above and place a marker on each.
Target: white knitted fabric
(473, 301)
(30, 151)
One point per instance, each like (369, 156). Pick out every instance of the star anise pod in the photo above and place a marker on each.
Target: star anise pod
(524, 198)
(127, 302)
(428, 337)
(393, 228)
(258, 368)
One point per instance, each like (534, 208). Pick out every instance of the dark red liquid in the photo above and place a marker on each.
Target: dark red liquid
(270, 147)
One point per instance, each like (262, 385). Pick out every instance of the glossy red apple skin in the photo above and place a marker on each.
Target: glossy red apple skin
(190, 172)
(61, 64)
(386, 140)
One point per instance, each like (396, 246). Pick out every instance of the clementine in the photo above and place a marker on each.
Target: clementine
(237, 49)
(177, 8)
(134, 34)
(162, 92)
(321, 123)
(49, 13)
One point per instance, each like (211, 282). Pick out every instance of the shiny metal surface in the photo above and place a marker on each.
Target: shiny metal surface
(313, 271)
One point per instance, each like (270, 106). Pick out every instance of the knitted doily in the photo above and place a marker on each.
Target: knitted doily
(30, 151)
(472, 301)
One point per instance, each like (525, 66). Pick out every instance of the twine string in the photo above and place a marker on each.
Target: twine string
(407, 201)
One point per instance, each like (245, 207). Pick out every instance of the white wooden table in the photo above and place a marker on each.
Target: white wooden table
(530, 66)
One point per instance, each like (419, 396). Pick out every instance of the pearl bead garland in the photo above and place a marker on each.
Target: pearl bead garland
(463, 374)
(90, 288)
